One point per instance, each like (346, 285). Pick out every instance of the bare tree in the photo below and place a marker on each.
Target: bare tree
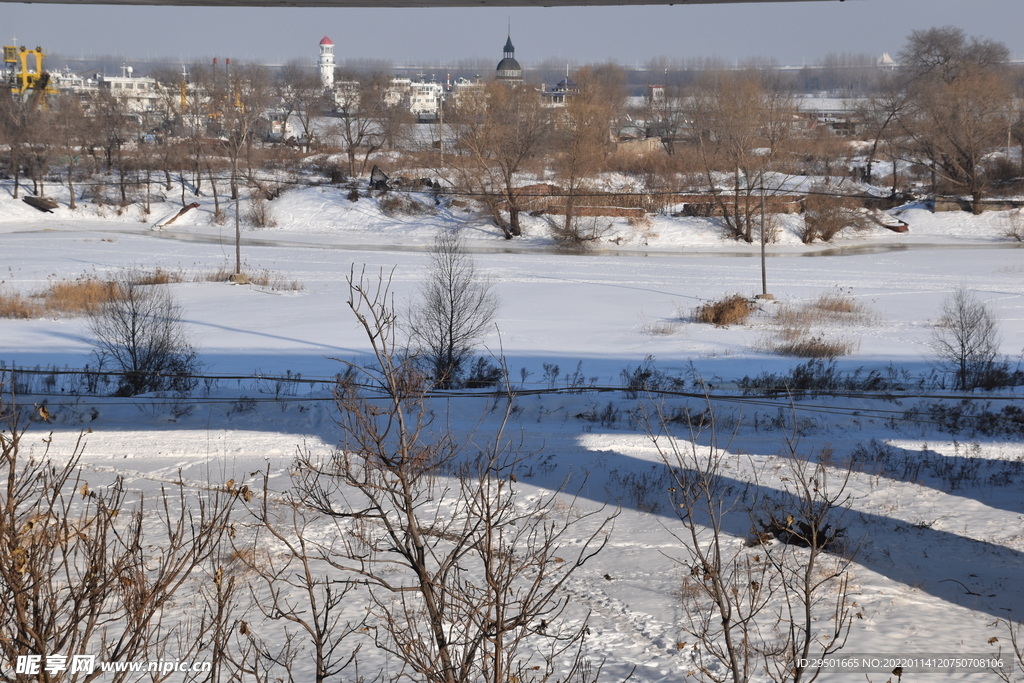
(455, 309)
(948, 55)
(667, 116)
(237, 97)
(959, 102)
(584, 136)
(781, 599)
(139, 329)
(117, 129)
(301, 94)
(18, 125)
(812, 619)
(298, 588)
(966, 339)
(84, 570)
(727, 587)
(367, 119)
(742, 122)
(881, 114)
(72, 130)
(499, 129)
(465, 578)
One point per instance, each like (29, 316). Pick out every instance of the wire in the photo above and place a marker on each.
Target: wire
(771, 399)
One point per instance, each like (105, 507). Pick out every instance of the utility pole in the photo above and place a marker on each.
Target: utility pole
(764, 271)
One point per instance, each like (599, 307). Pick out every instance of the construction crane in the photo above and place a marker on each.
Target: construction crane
(25, 75)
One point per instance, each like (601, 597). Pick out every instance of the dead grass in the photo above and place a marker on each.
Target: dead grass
(732, 310)
(159, 276)
(78, 297)
(275, 282)
(264, 278)
(661, 328)
(800, 345)
(14, 305)
(61, 298)
(70, 298)
(798, 330)
(219, 275)
(830, 308)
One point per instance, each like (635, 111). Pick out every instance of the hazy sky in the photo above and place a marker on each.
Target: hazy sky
(791, 32)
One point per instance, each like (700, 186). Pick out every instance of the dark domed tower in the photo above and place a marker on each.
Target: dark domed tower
(509, 70)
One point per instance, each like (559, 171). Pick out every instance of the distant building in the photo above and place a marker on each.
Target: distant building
(397, 94)
(886, 62)
(509, 70)
(422, 98)
(326, 63)
(464, 92)
(561, 93)
(68, 82)
(347, 96)
(425, 99)
(139, 95)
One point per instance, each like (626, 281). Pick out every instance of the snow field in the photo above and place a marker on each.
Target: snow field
(936, 564)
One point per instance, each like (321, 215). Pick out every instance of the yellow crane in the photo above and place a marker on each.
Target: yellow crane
(27, 78)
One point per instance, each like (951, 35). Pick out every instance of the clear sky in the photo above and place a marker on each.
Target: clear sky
(791, 32)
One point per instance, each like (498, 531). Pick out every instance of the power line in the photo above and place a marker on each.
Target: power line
(769, 399)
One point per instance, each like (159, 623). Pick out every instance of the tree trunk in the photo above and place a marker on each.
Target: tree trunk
(213, 189)
(976, 197)
(513, 220)
(71, 181)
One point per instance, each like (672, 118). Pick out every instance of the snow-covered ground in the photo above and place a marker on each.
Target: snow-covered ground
(939, 562)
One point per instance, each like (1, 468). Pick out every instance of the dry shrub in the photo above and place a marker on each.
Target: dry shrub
(259, 214)
(1015, 225)
(826, 215)
(393, 205)
(732, 310)
(644, 227)
(577, 233)
(643, 223)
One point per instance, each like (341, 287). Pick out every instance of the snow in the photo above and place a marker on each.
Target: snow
(937, 563)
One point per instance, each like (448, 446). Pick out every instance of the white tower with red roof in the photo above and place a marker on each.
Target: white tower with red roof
(326, 63)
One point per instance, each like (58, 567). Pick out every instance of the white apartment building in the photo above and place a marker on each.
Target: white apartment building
(140, 95)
